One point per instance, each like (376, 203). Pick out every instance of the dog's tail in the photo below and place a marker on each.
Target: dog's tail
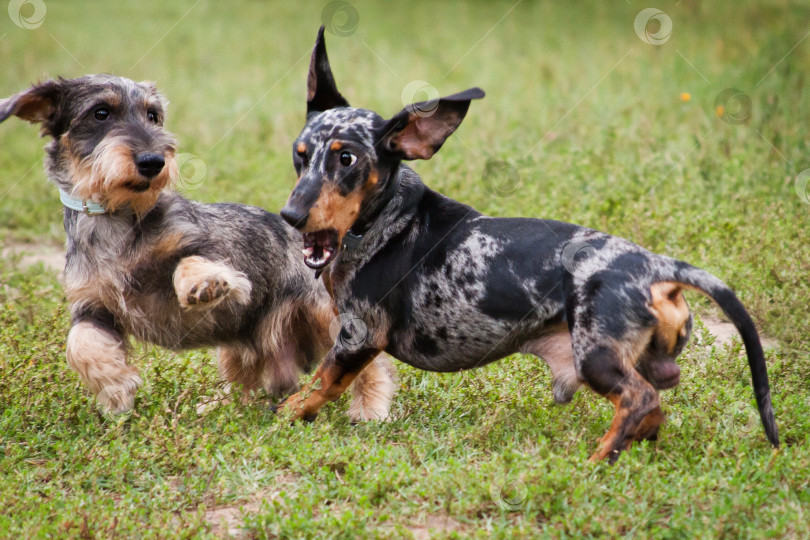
(714, 288)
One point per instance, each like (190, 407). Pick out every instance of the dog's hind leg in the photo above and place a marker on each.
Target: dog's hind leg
(240, 365)
(556, 351)
(251, 371)
(608, 369)
(277, 374)
(98, 355)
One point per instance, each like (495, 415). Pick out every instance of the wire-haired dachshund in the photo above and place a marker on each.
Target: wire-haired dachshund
(144, 261)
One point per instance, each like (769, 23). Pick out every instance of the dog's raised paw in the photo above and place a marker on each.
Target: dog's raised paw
(202, 284)
(207, 291)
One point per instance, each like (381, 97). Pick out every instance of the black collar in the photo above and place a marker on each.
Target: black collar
(351, 240)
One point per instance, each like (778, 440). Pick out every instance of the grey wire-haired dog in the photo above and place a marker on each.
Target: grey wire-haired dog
(143, 261)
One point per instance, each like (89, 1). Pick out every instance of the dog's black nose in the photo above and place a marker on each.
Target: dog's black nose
(149, 164)
(293, 217)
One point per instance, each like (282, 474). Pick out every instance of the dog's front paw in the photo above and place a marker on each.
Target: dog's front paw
(99, 357)
(292, 409)
(202, 284)
(208, 291)
(119, 398)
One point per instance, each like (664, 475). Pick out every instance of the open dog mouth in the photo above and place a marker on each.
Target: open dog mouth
(319, 247)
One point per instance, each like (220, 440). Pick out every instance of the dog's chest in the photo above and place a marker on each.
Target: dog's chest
(110, 267)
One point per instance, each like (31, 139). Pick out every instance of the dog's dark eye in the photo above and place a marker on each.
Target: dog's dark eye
(347, 159)
(102, 113)
(152, 116)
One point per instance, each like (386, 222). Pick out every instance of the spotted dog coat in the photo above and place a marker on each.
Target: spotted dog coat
(166, 270)
(444, 288)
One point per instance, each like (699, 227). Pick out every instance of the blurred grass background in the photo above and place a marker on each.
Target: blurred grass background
(601, 129)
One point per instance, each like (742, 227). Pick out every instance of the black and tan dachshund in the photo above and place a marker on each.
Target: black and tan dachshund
(444, 288)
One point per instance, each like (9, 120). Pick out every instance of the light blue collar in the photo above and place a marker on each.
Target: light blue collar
(82, 205)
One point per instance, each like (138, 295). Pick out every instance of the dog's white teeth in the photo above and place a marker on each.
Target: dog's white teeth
(307, 251)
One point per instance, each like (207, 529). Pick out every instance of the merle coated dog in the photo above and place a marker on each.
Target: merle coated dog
(143, 261)
(444, 288)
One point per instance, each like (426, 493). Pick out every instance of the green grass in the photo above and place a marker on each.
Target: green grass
(590, 119)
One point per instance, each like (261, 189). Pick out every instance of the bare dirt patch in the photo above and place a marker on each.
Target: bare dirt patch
(435, 524)
(724, 332)
(226, 520)
(50, 256)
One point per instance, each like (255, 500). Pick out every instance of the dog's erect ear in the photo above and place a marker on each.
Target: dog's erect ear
(38, 104)
(322, 92)
(420, 129)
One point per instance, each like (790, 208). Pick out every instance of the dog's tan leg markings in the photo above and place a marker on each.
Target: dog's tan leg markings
(99, 357)
(373, 390)
(201, 283)
(637, 417)
(330, 381)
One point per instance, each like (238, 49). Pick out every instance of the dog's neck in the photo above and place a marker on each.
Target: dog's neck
(89, 207)
(85, 233)
(376, 206)
(393, 215)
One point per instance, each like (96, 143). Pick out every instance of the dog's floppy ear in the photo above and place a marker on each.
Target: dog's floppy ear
(322, 92)
(420, 129)
(38, 104)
